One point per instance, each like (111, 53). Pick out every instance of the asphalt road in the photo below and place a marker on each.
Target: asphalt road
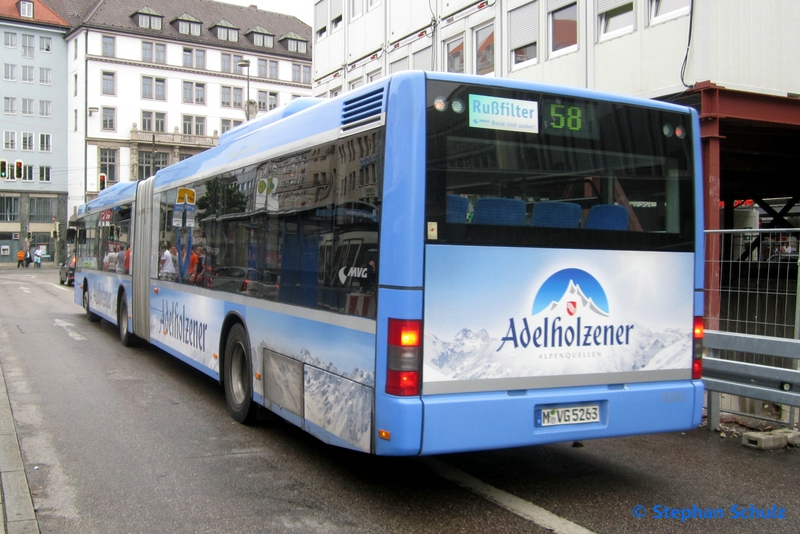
(119, 439)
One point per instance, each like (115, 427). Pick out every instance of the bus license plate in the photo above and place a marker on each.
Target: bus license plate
(569, 415)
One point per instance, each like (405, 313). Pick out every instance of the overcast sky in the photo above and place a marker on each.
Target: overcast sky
(302, 9)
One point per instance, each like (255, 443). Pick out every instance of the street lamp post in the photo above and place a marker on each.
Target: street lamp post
(246, 63)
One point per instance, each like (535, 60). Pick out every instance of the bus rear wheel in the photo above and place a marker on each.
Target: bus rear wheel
(93, 317)
(238, 376)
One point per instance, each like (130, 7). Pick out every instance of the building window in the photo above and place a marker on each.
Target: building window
(75, 90)
(484, 50)
(225, 97)
(108, 46)
(28, 106)
(355, 84)
(109, 119)
(147, 21)
(194, 125)
(273, 101)
(260, 39)
(147, 52)
(262, 100)
(161, 88)
(42, 209)
(307, 74)
(262, 68)
(200, 59)
(616, 21)
(161, 53)
(9, 39)
(237, 97)
(194, 93)
(227, 124)
(147, 121)
(236, 68)
(75, 125)
(44, 174)
(27, 74)
(225, 63)
(273, 70)
(150, 163)
(356, 8)
(147, 87)
(45, 44)
(455, 55)
(9, 72)
(44, 143)
(28, 46)
(295, 72)
(9, 105)
(189, 28)
(108, 164)
(26, 9)
(27, 173)
(564, 29)
(188, 57)
(109, 83)
(293, 45)
(10, 140)
(227, 34)
(376, 75)
(27, 141)
(45, 108)
(45, 76)
(9, 209)
(161, 122)
(523, 31)
(668, 8)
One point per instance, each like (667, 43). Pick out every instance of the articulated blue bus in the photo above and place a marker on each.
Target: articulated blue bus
(429, 264)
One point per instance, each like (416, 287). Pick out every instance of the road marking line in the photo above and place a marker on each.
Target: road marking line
(58, 287)
(513, 504)
(25, 289)
(66, 326)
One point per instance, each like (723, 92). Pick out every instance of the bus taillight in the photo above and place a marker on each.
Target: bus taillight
(405, 356)
(697, 349)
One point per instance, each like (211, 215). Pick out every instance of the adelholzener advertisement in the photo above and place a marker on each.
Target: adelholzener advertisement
(512, 318)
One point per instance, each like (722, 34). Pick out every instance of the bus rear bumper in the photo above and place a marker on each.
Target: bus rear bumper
(495, 420)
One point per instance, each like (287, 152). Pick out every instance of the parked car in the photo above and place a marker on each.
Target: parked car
(243, 280)
(66, 275)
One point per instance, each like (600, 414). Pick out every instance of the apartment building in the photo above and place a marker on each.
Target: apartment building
(33, 157)
(733, 60)
(152, 83)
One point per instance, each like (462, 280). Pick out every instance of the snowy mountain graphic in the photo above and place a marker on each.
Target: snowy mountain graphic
(474, 355)
(573, 284)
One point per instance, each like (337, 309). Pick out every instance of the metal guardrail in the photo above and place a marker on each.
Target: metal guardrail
(773, 384)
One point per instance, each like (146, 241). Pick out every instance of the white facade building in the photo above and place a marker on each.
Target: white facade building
(149, 88)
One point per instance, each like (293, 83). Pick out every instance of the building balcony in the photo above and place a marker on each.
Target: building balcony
(175, 138)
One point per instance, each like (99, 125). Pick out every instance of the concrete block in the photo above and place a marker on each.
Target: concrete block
(793, 436)
(766, 441)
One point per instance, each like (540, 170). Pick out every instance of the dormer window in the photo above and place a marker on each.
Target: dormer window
(261, 37)
(26, 9)
(188, 25)
(226, 31)
(148, 18)
(295, 43)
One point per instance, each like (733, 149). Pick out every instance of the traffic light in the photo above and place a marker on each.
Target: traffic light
(54, 234)
(18, 169)
(58, 230)
(102, 181)
(3, 168)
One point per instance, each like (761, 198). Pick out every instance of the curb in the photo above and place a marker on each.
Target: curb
(19, 516)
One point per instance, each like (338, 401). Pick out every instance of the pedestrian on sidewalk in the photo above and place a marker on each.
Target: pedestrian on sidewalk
(37, 260)
(20, 258)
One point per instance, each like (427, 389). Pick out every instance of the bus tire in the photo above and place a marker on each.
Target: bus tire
(238, 381)
(93, 317)
(127, 338)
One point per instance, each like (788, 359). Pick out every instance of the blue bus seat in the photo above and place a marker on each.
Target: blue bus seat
(607, 217)
(550, 214)
(499, 211)
(457, 207)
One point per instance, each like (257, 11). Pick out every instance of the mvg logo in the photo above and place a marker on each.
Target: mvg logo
(355, 272)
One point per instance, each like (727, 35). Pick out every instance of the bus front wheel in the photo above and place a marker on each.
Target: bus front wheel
(93, 317)
(238, 377)
(125, 336)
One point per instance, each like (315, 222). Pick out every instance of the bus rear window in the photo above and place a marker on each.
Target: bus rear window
(511, 167)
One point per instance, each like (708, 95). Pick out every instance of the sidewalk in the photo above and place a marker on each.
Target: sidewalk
(18, 514)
